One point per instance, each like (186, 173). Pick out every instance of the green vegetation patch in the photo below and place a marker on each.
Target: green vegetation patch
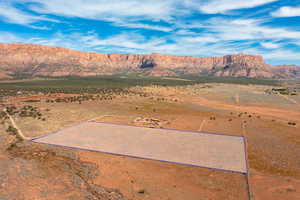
(31, 101)
(93, 85)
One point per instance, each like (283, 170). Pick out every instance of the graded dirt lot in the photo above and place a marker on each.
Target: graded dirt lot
(273, 143)
(222, 152)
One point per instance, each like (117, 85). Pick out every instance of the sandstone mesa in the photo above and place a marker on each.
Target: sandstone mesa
(37, 60)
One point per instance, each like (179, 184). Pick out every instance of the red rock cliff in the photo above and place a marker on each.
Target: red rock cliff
(37, 60)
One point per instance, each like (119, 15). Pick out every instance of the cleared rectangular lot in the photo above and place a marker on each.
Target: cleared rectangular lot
(192, 148)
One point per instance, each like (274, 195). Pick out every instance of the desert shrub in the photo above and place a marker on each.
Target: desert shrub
(27, 111)
(3, 116)
(11, 110)
(292, 123)
(12, 130)
(31, 101)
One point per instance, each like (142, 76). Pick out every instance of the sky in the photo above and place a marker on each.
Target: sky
(270, 28)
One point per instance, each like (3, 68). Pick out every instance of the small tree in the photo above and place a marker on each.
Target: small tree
(12, 130)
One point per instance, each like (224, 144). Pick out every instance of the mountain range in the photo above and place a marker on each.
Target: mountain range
(27, 60)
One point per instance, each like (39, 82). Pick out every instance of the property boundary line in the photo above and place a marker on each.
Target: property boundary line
(93, 121)
(61, 129)
(250, 193)
(138, 157)
(196, 132)
(93, 150)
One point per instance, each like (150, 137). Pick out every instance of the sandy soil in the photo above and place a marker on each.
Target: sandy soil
(164, 180)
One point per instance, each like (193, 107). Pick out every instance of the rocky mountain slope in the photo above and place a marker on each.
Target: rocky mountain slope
(37, 60)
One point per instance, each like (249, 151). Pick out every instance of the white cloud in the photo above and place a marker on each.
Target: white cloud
(6, 37)
(186, 32)
(155, 10)
(286, 11)
(269, 45)
(131, 42)
(108, 10)
(246, 29)
(199, 39)
(120, 13)
(127, 13)
(120, 43)
(72, 41)
(221, 6)
(281, 55)
(223, 29)
(13, 15)
(143, 26)
(297, 43)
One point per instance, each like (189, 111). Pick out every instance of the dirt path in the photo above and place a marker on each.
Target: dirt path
(99, 118)
(237, 99)
(202, 124)
(289, 99)
(16, 127)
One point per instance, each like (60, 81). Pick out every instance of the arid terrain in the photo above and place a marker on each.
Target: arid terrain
(149, 100)
(268, 116)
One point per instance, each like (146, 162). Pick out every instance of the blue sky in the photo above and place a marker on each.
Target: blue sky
(270, 28)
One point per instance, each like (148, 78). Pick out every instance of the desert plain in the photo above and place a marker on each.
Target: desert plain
(267, 119)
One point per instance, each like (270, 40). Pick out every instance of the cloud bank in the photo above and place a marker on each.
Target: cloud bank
(186, 27)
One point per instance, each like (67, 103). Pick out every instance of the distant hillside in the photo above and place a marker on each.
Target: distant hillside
(35, 60)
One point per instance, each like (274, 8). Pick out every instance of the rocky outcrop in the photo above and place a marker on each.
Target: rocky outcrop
(37, 60)
(287, 71)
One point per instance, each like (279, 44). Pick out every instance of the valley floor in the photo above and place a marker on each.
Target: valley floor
(269, 122)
